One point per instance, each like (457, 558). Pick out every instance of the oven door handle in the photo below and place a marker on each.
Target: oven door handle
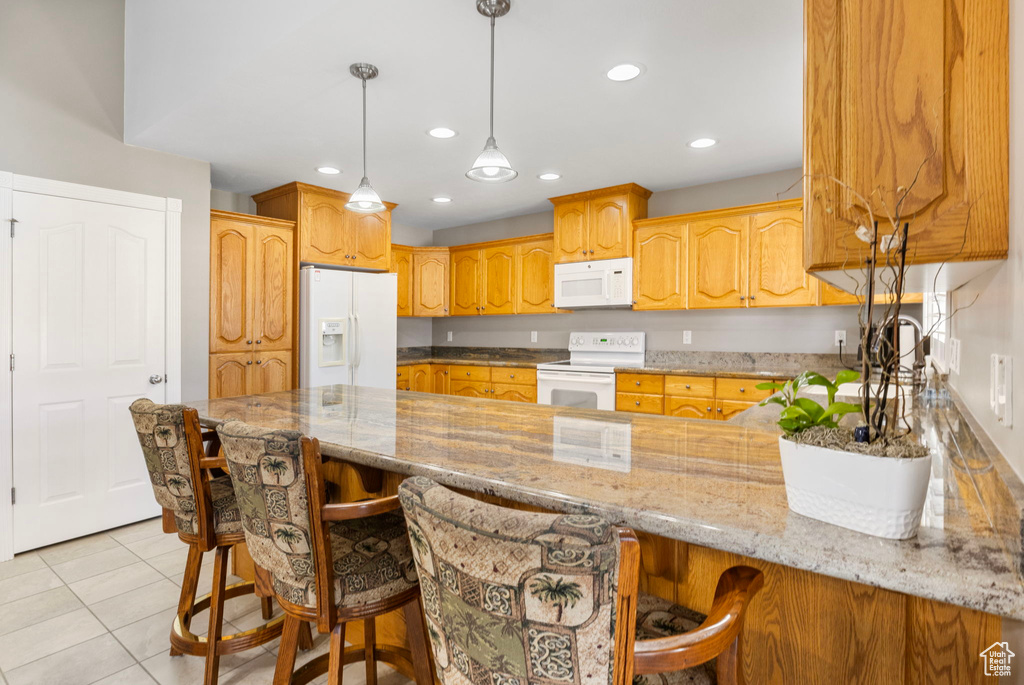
(597, 380)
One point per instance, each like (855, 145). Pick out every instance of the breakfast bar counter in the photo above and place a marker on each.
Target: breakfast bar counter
(705, 495)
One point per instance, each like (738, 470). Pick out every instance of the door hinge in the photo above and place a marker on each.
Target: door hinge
(12, 496)
(12, 361)
(13, 221)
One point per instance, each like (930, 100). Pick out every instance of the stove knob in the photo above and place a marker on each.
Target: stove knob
(620, 340)
(634, 342)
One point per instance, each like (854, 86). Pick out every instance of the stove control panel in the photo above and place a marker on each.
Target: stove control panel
(609, 342)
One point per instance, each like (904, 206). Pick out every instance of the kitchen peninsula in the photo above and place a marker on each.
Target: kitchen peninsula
(703, 496)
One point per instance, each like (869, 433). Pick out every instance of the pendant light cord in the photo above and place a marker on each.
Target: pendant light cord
(364, 127)
(492, 76)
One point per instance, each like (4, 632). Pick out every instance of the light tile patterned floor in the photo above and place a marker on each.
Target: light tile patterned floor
(98, 610)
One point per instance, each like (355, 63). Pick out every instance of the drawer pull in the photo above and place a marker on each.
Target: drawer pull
(638, 403)
(719, 410)
(709, 408)
(743, 389)
(687, 386)
(511, 375)
(638, 382)
(467, 373)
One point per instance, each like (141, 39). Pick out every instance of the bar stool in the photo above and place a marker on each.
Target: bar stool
(521, 597)
(206, 518)
(330, 563)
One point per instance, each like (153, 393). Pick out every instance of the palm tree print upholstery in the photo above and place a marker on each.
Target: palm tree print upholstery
(371, 556)
(657, 617)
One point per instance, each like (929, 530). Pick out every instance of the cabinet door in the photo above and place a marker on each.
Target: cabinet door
(479, 389)
(369, 239)
(717, 263)
(659, 268)
(272, 372)
(273, 287)
(690, 407)
(401, 265)
(726, 409)
(465, 297)
(609, 229)
(514, 393)
(777, 276)
(571, 232)
(231, 277)
(421, 378)
(323, 230)
(535, 277)
(441, 378)
(230, 374)
(430, 284)
(403, 378)
(499, 276)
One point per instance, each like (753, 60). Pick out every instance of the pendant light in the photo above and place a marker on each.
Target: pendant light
(492, 166)
(365, 199)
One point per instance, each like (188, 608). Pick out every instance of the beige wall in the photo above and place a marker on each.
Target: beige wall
(227, 201)
(61, 88)
(995, 323)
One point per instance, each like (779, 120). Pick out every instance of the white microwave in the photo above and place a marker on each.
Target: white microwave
(604, 283)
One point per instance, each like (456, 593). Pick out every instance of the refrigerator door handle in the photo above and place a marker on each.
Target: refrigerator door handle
(351, 340)
(355, 337)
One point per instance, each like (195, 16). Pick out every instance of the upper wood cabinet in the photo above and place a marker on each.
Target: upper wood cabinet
(597, 224)
(430, 281)
(327, 233)
(251, 283)
(777, 276)
(659, 266)
(498, 283)
(401, 266)
(898, 90)
(535, 276)
(465, 282)
(718, 262)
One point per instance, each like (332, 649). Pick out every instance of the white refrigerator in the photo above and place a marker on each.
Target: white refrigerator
(348, 331)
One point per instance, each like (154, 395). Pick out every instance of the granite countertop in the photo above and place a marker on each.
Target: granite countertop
(710, 483)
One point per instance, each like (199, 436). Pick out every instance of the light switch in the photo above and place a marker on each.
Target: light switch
(449, 336)
(533, 336)
(687, 338)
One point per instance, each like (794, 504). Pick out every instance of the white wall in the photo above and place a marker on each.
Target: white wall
(995, 323)
(61, 88)
(227, 201)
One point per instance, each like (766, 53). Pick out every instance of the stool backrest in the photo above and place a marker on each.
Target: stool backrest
(172, 445)
(270, 488)
(515, 597)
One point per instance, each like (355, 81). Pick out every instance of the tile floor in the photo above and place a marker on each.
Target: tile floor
(98, 610)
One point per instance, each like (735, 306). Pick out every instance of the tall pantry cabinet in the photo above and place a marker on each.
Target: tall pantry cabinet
(251, 299)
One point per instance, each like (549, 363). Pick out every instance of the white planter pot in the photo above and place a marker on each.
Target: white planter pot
(875, 495)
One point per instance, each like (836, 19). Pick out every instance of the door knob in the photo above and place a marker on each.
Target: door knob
(348, 256)
(248, 342)
(584, 252)
(638, 382)
(742, 298)
(259, 361)
(156, 379)
(591, 252)
(638, 403)
(249, 362)
(259, 342)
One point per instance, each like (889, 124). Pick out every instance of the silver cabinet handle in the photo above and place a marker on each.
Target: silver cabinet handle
(259, 342)
(743, 389)
(156, 379)
(638, 403)
(584, 252)
(249, 362)
(742, 298)
(467, 373)
(511, 375)
(591, 252)
(719, 410)
(446, 373)
(259, 361)
(638, 382)
(753, 297)
(687, 386)
(248, 342)
(709, 408)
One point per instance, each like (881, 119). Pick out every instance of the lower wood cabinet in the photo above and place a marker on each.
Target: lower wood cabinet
(470, 380)
(249, 373)
(695, 397)
(415, 377)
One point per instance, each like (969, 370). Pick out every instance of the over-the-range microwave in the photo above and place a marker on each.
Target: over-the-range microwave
(604, 283)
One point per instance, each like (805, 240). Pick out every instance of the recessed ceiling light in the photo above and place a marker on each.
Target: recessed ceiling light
(550, 176)
(703, 142)
(624, 72)
(441, 199)
(442, 132)
(328, 170)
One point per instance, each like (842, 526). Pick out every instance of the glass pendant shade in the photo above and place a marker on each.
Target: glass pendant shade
(365, 199)
(491, 166)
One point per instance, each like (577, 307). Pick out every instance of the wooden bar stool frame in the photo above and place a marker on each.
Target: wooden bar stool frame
(213, 645)
(328, 617)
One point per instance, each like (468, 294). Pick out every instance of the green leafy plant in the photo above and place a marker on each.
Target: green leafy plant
(800, 413)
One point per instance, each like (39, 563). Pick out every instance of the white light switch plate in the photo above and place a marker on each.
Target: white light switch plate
(687, 338)
(449, 336)
(533, 336)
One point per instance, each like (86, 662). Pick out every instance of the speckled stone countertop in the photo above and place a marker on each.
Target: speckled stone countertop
(723, 364)
(710, 483)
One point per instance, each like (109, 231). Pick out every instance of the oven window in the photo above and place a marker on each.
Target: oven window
(583, 287)
(583, 399)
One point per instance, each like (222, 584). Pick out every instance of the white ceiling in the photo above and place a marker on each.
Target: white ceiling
(261, 89)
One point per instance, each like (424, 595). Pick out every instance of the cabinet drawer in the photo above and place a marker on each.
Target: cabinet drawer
(514, 393)
(470, 373)
(691, 408)
(481, 389)
(504, 374)
(646, 383)
(636, 402)
(741, 389)
(690, 386)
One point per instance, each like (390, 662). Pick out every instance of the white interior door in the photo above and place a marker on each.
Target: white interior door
(88, 333)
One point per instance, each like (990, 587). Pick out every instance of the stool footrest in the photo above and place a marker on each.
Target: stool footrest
(184, 641)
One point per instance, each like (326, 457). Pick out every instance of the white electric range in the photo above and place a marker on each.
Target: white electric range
(587, 378)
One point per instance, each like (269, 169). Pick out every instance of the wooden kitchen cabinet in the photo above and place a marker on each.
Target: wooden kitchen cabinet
(659, 267)
(830, 295)
(498, 280)
(597, 224)
(442, 379)
(246, 373)
(514, 393)
(272, 371)
(466, 281)
(535, 276)
(478, 389)
(726, 409)
(401, 266)
(925, 98)
(421, 378)
(718, 253)
(486, 382)
(403, 375)
(690, 407)
(777, 276)
(430, 290)
(370, 239)
(252, 298)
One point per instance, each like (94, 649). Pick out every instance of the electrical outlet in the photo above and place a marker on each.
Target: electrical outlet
(687, 338)
(449, 336)
(533, 336)
(840, 338)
